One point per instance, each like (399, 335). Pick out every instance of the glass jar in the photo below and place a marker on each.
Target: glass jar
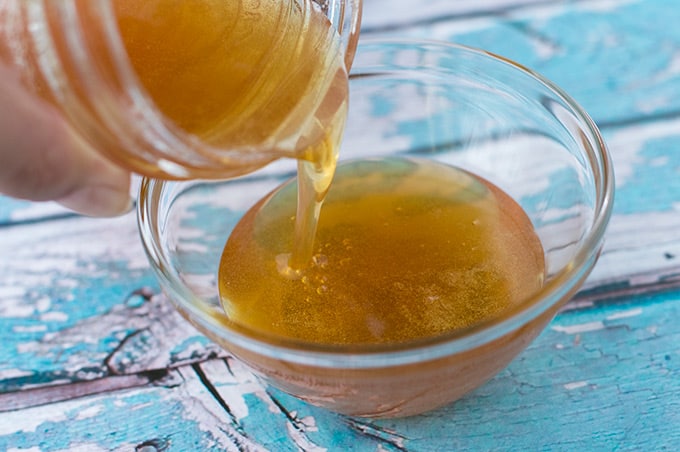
(76, 55)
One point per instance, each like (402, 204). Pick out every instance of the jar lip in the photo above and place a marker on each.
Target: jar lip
(562, 284)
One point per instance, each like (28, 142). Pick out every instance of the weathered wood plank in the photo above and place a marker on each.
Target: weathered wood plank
(77, 302)
(618, 59)
(217, 405)
(176, 414)
(600, 378)
(393, 14)
(643, 239)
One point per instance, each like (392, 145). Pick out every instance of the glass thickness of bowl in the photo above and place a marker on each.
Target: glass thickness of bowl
(439, 101)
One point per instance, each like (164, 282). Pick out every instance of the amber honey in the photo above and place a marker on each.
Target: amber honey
(265, 74)
(405, 249)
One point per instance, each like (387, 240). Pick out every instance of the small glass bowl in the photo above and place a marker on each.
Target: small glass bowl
(439, 101)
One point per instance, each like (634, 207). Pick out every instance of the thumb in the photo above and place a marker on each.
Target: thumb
(42, 158)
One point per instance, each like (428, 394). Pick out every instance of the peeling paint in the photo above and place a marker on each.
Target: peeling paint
(579, 328)
(575, 385)
(625, 314)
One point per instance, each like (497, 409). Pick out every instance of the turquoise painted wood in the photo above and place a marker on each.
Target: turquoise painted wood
(93, 358)
(603, 377)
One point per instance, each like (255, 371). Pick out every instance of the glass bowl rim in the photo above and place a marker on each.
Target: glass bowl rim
(563, 284)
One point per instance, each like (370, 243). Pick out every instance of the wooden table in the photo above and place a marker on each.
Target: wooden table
(93, 358)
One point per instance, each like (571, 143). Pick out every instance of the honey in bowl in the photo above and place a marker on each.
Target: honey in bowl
(405, 249)
(401, 379)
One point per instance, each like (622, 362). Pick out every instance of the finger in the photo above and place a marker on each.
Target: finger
(41, 158)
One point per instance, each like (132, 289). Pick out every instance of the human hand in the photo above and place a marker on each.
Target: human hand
(42, 158)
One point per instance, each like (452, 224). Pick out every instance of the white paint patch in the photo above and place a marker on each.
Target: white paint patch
(141, 406)
(625, 314)
(301, 440)
(12, 291)
(671, 70)
(644, 279)
(29, 329)
(84, 448)
(203, 285)
(634, 252)
(310, 424)
(38, 210)
(89, 412)
(43, 304)
(579, 328)
(15, 308)
(652, 104)
(87, 374)
(31, 449)
(54, 316)
(659, 161)
(605, 6)
(28, 420)
(28, 347)
(13, 373)
(626, 144)
(191, 247)
(578, 304)
(575, 385)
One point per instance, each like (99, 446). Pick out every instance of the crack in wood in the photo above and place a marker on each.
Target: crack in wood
(242, 442)
(294, 422)
(384, 435)
(153, 445)
(481, 11)
(623, 290)
(32, 397)
(214, 392)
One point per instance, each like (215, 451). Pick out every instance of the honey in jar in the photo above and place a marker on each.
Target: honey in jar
(405, 249)
(266, 74)
(185, 89)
